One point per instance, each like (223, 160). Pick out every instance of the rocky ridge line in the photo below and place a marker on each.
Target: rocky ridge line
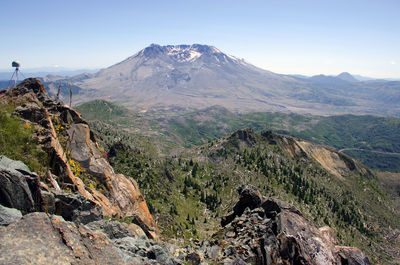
(67, 138)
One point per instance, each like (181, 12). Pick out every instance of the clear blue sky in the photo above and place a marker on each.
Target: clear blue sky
(304, 37)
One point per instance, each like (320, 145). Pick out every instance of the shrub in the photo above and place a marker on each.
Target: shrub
(17, 141)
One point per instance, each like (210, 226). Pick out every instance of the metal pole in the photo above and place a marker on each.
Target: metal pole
(16, 76)
(9, 82)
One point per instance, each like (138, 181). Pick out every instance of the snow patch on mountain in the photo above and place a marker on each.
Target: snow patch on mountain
(183, 54)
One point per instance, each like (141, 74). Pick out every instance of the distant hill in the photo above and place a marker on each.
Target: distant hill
(102, 110)
(43, 72)
(347, 77)
(198, 76)
(370, 139)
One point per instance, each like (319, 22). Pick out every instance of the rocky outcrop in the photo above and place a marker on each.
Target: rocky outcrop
(117, 147)
(245, 135)
(115, 230)
(70, 231)
(19, 187)
(9, 215)
(250, 197)
(124, 191)
(351, 256)
(273, 232)
(76, 208)
(39, 238)
(339, 164)
(63, 134)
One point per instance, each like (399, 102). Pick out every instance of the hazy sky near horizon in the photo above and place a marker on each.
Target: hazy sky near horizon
(302, 37)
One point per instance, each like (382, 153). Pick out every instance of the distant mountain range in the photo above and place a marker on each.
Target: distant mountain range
(45, 71)
(198, 76)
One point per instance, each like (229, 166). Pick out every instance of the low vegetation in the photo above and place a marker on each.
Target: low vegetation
(17, 141)
(171, 130)
(196, 188)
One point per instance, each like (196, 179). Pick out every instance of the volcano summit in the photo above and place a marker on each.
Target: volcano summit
(198, 76)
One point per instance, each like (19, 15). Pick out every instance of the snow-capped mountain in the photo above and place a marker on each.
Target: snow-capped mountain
(198, 76)
(189, 76)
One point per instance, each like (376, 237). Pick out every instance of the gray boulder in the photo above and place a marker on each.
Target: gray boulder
(143, 251)
(9, 215)
(115, 230)
(19, 187)
(76, 208)
(41, 239)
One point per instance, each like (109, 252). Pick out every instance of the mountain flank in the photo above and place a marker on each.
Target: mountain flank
(198, 76)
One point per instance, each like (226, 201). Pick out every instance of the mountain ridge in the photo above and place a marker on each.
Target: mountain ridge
(197, 76)
(190, 128)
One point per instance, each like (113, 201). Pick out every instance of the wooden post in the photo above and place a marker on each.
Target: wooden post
(58, 93)
(70, 95)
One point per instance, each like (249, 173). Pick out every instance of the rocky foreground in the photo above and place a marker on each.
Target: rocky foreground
(100, 217)
(259, 231)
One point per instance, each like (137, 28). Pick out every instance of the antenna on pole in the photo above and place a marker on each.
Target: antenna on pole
(15, 73)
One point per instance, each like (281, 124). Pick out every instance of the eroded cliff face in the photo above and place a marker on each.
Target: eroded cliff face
(338, 164)
(75, 160)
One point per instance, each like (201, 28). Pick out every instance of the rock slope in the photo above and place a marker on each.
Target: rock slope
(75, 160)
(269, 231)
(258, 231)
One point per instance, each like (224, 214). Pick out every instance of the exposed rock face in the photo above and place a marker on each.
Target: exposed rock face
(45, 238)
(339, 164)
(351, 256)
(19, 187)
(119, 146)
(64, 136)
(250, 197)
(76, 208)
(124, 191)
(115, 230)
(9, 215)
(39, 238)
(273, 232)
